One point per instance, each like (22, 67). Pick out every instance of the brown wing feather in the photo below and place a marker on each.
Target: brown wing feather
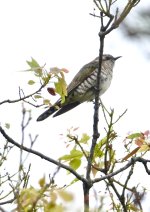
(80, 77)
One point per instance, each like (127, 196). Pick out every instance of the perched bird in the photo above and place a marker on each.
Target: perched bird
(82, 87)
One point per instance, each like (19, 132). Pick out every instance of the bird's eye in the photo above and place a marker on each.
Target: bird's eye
(107, 58)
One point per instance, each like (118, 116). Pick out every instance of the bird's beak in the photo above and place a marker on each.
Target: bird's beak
(116, 58)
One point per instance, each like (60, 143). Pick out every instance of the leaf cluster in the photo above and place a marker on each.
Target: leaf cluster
(44, 198)
(46, 78)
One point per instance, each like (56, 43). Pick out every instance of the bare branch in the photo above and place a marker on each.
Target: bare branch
(7, 202)
(127, 180)
(96, 107)
(58, 163)
(125, 12)
(78, 143)
(130, 163)
(23, 98)
(117, 20)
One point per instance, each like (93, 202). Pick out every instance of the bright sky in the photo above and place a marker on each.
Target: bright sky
(63, 34)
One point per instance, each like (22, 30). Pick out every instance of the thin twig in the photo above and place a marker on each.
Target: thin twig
(106, 164)
(23, 98)
(82, 149)
(39, 154)
(127, 180)
(34, 105)
(130, 163)
(96, 108)
(121, 199)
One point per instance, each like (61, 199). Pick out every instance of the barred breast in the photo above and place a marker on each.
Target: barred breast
(85, 91)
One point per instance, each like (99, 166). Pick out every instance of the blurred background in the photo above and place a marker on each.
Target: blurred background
(63, 34)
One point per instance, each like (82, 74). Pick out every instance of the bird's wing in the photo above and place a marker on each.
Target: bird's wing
(84, 72)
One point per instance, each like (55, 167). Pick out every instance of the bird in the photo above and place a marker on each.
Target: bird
(82, 87)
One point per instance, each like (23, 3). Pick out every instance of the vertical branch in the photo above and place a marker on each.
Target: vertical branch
(21, 172)
(102, 33)
(126, 182)
(86, 187)
(121, 197)
(106, 164)
(118, 195)
(86, 190)
(96, 106)
(22, 134)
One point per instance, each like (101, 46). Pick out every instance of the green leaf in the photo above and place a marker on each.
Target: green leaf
(28, 197)
(65, 157)
(144, 148)
(42, 182)
(85, 138)
(73, 154)
(134, 135)
(35, 67)
(38, 72)
(46, 78)
(66, 196)
(112, 154)
(98, 152)
(7, 125)
(76, 153)
(61, 88)
(33, 63)
(102, 142)
(132, 207)
(75, 163)
(46, 101)
(37, 96)
(31, 82)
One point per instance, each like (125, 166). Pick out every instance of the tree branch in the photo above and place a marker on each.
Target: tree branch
(58, 163)
(117, 20)
(8, 201)
(23, 98)
(97, 94)
(130, 163)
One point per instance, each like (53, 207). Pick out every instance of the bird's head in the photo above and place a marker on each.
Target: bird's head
(110, 57)
(107, 60)
(107, 57)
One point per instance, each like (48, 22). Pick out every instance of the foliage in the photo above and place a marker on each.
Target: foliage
(45, 77)
(92, 160)
(45, 198)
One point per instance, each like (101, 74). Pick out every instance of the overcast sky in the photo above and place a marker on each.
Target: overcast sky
(63, 34)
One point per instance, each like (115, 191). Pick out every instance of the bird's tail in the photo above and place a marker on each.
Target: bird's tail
(59, 108)
(47, 113)
(66, 108)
